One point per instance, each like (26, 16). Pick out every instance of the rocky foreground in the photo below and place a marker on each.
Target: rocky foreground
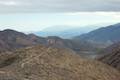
(45, 63)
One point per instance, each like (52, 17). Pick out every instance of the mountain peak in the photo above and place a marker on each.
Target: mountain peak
(9, 30)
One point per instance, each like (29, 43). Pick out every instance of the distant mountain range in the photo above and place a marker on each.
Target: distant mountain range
(11, 40)
(104, 36)
(46, 63)
(86, 45)
(65, 31)
(109, 34)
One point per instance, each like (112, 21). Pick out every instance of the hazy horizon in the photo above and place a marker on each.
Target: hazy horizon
(35, 15)
(27, 22)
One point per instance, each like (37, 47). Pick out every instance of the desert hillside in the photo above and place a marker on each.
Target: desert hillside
(112, 56)
(46, 63)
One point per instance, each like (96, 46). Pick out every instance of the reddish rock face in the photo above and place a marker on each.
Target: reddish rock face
(56, 42)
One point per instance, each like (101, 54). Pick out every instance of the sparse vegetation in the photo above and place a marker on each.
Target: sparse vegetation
(42, 63)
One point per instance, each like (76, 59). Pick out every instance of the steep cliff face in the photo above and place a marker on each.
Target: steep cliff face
(46, 63)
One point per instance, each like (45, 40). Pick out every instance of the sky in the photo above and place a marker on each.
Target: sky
(35, 15)
(58, 5)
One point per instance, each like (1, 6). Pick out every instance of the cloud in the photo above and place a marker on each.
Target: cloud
(10, 3)
(117, 14)
(58, 5)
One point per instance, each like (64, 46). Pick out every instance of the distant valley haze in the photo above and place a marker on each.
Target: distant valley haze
(46, 22)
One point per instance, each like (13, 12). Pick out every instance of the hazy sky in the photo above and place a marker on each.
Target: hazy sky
(58, 5)
(34, 15)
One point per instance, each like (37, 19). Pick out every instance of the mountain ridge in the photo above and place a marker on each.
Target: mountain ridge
(109, 34)
(11, 40)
